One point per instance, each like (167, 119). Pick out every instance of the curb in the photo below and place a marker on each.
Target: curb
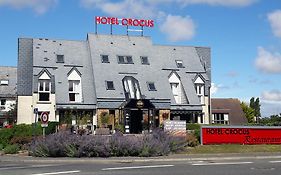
(28, 159)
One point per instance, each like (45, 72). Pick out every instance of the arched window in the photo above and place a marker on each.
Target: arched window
(131, 88)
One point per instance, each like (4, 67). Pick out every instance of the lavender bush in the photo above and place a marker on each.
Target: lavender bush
(65, 144)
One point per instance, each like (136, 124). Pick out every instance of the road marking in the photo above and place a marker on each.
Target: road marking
(221, 163)
(61, 172)
(275, 161)
(137, 167)
(24, 167)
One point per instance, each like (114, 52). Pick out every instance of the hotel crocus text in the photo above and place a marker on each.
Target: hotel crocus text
(124, 21)
(240, 135)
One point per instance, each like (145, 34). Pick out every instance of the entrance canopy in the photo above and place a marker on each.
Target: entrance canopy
(138, 104)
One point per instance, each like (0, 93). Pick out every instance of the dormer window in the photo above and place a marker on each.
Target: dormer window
(74, 86)
(44, 87)
(199, 88)
(104, 59)
(60, 58)
(125, 60)
(179, 63)
(144, 60)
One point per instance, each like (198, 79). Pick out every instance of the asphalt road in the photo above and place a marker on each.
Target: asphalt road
(254, 166)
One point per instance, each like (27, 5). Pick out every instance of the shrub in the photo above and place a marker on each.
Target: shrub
(5, 136)
(22, 141)
(196, 129)
(11, 149)
(192, 140)
(66, 144)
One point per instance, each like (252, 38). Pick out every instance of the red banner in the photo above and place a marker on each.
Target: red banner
(240, 135)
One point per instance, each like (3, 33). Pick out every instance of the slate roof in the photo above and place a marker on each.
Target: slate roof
(162, 61)
(230, 106)
(38, 54)
(10, 74)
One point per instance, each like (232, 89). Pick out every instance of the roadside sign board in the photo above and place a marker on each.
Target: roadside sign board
(249, 135)
(176, 127)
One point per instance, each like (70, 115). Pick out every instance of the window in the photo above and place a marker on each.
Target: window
(4, 82)
(179, 64)
(109, 85)
(199, 89)
(44, 90)
(104, 59)
(151, 86)
(125, 60)
(60, 58)
(131, 88)
(220, 118)
(3, 102)
(74, 88)
(144, 60)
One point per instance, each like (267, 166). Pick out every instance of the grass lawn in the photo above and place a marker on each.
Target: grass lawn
(228, 148)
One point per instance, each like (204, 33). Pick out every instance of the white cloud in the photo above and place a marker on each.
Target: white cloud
(214, 88)
(275, 22)
(178, 28)
(39, 6)
(268, 62)
(235, 3)
(125, 8)
(273, 95)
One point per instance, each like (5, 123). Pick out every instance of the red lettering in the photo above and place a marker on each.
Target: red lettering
(98, 20)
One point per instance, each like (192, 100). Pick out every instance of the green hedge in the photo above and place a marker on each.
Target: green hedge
(22, 134)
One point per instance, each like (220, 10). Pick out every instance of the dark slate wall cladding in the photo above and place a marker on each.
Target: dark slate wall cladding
(25, 62)
(204, 54)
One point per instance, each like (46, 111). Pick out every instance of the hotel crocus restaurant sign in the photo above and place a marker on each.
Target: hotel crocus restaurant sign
(124, 21)
(240, 135)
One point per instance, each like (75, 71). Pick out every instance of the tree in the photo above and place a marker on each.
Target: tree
(249, 112)
(273, 120)
(255, 104)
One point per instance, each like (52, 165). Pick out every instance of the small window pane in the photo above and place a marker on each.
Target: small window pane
(151, 87)
(60, 58)
(129, 60)
(179, 64)
(104, 59)
(44, 96)
(41, 85)
(121, 59)
(70, 87)
(144, 60)
(47, 86)
(3, 102)
(71, 96)
(110, 85)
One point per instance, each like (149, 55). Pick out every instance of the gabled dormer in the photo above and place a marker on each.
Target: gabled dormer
(44, 85)
(177, 88)
(74, 85)
(199, 84)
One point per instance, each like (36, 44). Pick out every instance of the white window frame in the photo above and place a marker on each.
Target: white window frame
(76, 90)
(45, 91)
(217, 118)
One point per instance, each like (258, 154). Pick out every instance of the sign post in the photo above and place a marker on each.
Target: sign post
(44, 120)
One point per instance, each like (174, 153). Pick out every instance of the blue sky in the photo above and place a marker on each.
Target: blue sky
(244, 35)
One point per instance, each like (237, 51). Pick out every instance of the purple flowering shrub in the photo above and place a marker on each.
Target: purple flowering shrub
(65, 144)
